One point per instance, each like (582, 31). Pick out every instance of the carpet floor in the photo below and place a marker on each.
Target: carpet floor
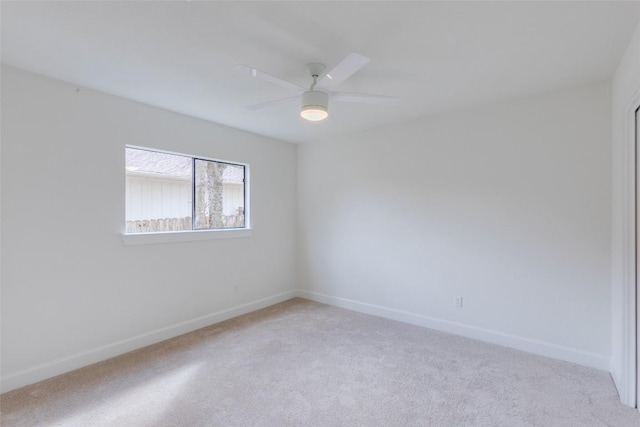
(300, 363)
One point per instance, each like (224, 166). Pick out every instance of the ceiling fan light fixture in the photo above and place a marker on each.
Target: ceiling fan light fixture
(314, 106)
(314, 114)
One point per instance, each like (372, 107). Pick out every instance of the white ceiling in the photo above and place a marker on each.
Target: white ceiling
(436, 56)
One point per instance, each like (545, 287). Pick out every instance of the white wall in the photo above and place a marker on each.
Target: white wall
(506, 205)
(71, 292)
(626, 96)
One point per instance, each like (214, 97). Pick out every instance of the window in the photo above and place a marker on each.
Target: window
(175, 192)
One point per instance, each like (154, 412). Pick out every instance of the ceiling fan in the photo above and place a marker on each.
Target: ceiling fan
(315, 99)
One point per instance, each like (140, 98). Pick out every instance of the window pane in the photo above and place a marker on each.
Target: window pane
(219, 195)
(158, 191)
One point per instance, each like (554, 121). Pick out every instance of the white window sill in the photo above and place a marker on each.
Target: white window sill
(134, 239)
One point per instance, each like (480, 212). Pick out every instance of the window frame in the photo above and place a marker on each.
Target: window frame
(131, 239)
(194, 172)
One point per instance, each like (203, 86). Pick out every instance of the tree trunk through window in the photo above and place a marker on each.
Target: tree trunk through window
(209, 194)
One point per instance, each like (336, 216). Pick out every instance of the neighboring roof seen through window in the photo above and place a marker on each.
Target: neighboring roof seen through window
(153, 163)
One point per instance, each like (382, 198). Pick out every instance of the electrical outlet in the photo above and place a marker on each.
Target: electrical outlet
(457, 302)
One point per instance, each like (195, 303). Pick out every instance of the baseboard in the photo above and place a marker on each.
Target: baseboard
(494, 337)
(620, 384)
(625, 387)
(60, 366)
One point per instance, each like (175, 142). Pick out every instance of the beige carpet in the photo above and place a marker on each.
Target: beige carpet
(300, 363)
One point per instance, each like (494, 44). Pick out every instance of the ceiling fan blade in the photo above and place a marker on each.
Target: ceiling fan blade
(254, 72)
(270, 103)
(364, 98)
(344, 70)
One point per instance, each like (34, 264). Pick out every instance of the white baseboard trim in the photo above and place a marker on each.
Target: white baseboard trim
(494, 337)
(60, 366)
(619, 384)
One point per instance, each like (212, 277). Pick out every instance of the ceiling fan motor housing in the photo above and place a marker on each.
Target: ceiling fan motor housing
(314, 105)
